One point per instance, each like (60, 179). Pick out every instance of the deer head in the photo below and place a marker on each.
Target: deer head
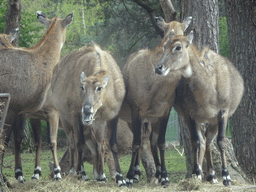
(60, 24)
(176, 55)
(178, 27)
(6, 40)
(91, 94)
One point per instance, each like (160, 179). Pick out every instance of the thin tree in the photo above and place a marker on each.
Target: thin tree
(13, 16)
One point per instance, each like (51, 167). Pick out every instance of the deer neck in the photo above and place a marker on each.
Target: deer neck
(200, 83)
(49, 47)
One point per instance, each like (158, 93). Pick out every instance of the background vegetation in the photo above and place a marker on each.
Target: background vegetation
(119, 26)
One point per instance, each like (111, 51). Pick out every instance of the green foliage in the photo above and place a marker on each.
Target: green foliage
(79, 32)
(127, 28)
(31, 30)
(223, 37)
(3, 8)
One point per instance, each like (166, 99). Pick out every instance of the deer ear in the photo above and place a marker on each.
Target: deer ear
(160, 22)
(68, 20)
(186, 22)
(13, 34)
(82, 76)
(190, 38)
(42, 18)
(105, 81)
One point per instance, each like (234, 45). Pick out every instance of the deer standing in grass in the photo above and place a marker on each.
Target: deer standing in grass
(148, 101)
(26, 75)
(209, 92)
(88, 92)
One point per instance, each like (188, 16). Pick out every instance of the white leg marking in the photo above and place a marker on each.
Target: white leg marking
(58, 175)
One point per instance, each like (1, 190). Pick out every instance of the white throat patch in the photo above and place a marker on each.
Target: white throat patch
(187, 71)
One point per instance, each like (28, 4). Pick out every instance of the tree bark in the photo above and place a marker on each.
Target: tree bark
(13, 16)
(205, 15)
(241, 19)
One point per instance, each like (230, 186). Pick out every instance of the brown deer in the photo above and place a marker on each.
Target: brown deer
(209, 91)
(26, 74)
(6, 40)
(148, 100)
(88, 91)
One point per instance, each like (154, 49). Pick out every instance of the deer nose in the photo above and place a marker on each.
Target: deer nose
(159, 69)
(88, 108)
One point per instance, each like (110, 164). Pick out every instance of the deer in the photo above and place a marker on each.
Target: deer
(6, 40)
(27, 73)
(148, 101)
(209, 91)
(88, 92)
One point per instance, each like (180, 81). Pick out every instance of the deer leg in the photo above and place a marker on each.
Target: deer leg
(137, 172)
(223, 119)
(154, 150)
(210, 134)
(113, 146)
(18, 135)
(36, 127)
(79, 142)
(5, 136)
(136, 124)
(198, 144)
(71, 146)
(161, 145)
(99, 132)
(98, 173)
(52, 126)
(145, 153)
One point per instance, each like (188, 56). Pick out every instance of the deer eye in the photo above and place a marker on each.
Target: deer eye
(98, 89)
(178, 48)
(82, 87)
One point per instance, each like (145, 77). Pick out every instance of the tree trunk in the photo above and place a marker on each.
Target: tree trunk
(241, 19)
(205, 15)
(13, 16)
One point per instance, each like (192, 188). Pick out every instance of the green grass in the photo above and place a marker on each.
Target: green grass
(175, 164)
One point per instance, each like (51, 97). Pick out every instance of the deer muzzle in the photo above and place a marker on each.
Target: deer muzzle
(87, 114)
(161, 70)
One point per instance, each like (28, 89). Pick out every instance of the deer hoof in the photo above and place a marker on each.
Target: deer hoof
(227, 182)
(35, 177)
(165, 182)
(119, 180)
